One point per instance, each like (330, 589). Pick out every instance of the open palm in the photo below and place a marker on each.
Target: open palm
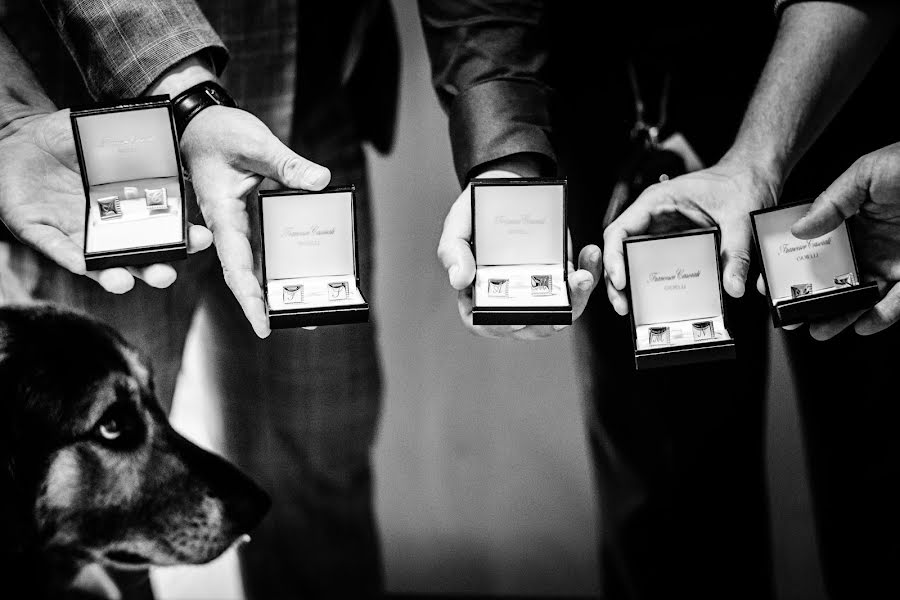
(42, 200)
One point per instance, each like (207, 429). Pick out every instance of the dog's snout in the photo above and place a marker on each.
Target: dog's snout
(244, 503)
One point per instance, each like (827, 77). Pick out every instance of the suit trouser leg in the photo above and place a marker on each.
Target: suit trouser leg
(678, 457)
(847, 397)
(300, 413)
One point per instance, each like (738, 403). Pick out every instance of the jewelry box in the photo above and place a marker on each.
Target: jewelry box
(677, 302)
(519, 235)
(310, 259)
(133, 183)
(807, 279)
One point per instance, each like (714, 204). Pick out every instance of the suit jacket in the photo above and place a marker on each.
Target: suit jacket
(532, 75)
(285, 59)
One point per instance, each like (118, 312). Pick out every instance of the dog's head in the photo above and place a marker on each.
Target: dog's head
(94, 467)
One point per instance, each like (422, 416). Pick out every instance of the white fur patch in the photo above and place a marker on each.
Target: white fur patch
(63, 482)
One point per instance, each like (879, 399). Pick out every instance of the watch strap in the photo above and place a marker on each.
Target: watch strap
(189, 103)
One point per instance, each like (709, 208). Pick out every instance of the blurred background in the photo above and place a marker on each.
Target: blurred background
(483, 481)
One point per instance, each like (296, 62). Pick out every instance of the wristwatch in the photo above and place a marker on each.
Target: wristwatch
(191, 101)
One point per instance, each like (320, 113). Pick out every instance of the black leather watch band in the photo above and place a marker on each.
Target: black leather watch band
(191, 101)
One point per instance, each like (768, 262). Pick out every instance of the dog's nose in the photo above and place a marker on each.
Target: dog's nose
(245, 502)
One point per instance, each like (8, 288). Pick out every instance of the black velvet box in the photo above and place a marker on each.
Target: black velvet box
(676, 298)
(807, 279)
(133, 183)
(519, 240)
(310, 257)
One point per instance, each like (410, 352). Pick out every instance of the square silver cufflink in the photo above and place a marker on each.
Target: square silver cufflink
(338, 290)
(541, 285)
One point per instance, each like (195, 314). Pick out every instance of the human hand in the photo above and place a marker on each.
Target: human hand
(42, 201)
(228, 153)
(456, 256)
(721, 195)
(870, 191)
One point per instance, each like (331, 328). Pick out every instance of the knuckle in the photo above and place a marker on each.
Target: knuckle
(288, 166)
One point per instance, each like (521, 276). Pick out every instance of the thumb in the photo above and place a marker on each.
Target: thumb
(736, 257)
(278, 162)
(839, 202)
(454, 250)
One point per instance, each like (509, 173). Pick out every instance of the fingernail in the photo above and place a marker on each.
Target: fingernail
(517, 327)
(594, 256)
(452, 273)
(316, 176)
(559, 327)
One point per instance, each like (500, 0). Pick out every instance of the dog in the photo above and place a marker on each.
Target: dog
(92, 470)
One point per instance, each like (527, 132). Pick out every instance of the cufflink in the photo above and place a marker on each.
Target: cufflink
(292, 294)
(801, 289)
(541, 285)
(498, 288)
(703, 330)
(845, 280)
(659, 336)
(130, 193)
(338, 290)
(156, 199)
(109, 207)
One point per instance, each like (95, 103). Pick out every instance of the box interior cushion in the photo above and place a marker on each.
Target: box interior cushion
(674, 279)
(681, 333)
(127, 145)
(317, 292)
(511, 286)
(789, 261)
(138, 226)
(519, 224)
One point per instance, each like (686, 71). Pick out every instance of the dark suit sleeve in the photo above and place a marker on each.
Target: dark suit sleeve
(488, 60)
(780, 5)
(122, 46)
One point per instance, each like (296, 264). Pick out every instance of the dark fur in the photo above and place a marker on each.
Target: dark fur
(70, 494)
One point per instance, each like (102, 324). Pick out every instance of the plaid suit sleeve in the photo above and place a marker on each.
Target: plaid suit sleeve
(122, 46)
(487, 62)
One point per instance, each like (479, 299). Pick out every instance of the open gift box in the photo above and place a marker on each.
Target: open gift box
(807, 279)
(677, 301)
(309, 258)
(133, 183)
(521, 256)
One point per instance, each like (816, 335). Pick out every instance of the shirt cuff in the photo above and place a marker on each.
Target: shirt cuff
(496, 119)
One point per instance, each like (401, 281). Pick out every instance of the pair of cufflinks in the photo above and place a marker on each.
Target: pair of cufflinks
(541, 285)
(337, 290)
(805, 289)
(702, 330)
(111, 207)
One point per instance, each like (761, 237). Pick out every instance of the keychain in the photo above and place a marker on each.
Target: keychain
(652, 158)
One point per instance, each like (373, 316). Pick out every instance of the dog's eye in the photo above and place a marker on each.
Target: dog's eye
(109, 430)
(119, 425)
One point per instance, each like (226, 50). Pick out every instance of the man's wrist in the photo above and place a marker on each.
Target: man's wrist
(524, 164)
(184, 74)
(765, 164)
